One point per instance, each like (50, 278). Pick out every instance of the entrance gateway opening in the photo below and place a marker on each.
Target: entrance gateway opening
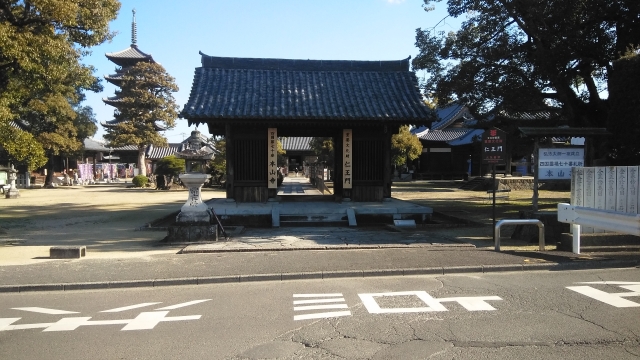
(255, 101)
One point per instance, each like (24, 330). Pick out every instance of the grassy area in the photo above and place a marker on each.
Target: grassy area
(445, 197)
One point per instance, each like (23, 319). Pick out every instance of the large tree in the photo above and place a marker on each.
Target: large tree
(42, 43)
(145, 105)
(524, 55)
(405, 147)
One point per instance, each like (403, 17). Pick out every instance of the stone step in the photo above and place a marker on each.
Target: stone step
(313, 220)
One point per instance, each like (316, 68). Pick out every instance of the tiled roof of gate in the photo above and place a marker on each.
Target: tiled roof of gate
(241, 88)
(296, 143)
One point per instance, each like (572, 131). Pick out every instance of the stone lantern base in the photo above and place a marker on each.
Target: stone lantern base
(12, 193)
(192, 233)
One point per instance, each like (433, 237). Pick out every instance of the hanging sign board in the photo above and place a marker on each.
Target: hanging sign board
(556, 163)
(272, 158)
(347, 165)
(494, 147)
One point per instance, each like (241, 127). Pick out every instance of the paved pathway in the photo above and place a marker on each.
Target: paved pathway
(297, 185)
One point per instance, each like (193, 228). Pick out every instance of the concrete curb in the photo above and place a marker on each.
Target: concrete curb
(319, 275)
(201, 249)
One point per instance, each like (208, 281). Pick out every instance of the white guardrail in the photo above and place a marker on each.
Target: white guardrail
(577, 216)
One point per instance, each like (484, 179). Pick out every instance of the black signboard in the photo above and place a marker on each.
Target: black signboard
(494, 147)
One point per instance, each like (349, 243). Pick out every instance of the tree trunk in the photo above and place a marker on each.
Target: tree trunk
(142, 166)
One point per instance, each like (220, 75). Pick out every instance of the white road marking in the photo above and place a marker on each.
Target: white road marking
(374, 308)
(125, 308)
(607, 298)
(325, 299)
(611, 282)
(5, 323)
(317, 301)
(475, 303)
(177, 306)
(322, 315)
(320, 307)
(46, 311)
(148, 320)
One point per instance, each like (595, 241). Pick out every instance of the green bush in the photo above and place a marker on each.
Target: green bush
(140, 181)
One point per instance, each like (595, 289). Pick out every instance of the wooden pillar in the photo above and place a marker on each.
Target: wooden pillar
(534, 198)
(386, 162)
(230, 161)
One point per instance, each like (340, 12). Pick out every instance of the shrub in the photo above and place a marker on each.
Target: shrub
(140, 181)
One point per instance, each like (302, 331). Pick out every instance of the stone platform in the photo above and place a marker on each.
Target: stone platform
(318, 213)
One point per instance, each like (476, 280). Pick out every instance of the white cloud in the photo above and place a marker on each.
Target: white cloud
(395, 1)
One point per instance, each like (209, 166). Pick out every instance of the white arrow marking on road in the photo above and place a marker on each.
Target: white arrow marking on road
(46, 311)
(148, 320)
(125, 308)
(177, 306)
(5, 323)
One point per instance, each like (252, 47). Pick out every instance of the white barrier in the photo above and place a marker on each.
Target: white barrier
(577, 216)
(541, 241)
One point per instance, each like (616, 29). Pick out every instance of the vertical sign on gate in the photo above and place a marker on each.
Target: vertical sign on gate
(347, 164)
(272, 151)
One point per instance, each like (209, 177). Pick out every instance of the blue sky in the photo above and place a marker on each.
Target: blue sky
(174, 31)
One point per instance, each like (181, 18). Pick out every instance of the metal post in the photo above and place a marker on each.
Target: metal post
(576, 238)
(493, 180)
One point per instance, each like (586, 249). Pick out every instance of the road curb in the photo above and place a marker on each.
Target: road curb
(319, 275)
(202, 248)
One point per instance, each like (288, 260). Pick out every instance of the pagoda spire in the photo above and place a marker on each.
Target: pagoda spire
(134, 30)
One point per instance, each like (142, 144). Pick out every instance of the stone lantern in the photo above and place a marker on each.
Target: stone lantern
(13, 192)
(193, 223)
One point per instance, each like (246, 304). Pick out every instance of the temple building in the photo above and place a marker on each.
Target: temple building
(359, 104)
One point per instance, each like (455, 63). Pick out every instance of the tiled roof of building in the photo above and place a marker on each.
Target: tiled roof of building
(237, 88)
(467, 138)
(95, 145)
(444, 135)
(296, 143)
(530, 115)
(156, 153)
(129, 56)
(451, 114)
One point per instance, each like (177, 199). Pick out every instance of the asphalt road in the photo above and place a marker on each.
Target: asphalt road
(494, 316)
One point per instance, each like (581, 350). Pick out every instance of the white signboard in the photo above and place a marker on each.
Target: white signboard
(347, 165)
(556, 163)
(272, 158)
